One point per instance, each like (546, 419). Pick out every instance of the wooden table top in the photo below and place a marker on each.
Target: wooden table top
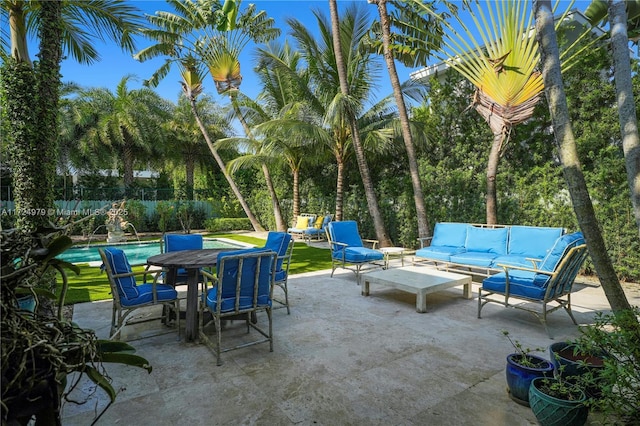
(187, 258)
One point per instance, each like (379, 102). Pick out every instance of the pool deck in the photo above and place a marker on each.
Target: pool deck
(339, 359)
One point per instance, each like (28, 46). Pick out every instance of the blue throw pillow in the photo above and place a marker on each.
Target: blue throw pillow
(487, 240)
(119, 264)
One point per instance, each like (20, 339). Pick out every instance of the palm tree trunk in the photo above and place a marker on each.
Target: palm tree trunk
(254, 222)
(127, 165)
(296, 192)
(18, 30)
(275, 203)
(563, 132)
(418, 197)
(372, 200)
(339, 188)
(492, 172)
(626, 104)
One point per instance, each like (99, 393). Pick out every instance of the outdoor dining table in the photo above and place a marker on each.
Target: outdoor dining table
(191, 261)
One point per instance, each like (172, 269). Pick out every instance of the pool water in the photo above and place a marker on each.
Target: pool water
(137, 253)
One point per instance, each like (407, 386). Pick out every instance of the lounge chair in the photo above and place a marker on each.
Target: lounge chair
(348, 250)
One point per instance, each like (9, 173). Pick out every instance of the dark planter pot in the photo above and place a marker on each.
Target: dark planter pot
(551, 411)
(519, 377)
(573, 366)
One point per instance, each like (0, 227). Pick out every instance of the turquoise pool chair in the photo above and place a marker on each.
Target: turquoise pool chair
(243, 285)
(177, 242)
(348, 250)
(282, 244)
(128, 295)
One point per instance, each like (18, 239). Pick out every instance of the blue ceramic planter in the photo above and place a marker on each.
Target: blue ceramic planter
(519, 377)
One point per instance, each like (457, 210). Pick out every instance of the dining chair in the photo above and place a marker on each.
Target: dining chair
(177, 242)
(128, 295)
(243, 285)
(282, 244)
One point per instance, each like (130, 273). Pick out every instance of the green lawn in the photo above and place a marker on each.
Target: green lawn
(92, 284)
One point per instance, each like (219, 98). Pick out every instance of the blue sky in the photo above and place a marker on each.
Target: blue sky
(115, 64)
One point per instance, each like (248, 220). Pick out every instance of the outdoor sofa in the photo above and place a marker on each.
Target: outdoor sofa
(479, 249)
(525, 263)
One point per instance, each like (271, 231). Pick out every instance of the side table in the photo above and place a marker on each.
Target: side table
(389, 252)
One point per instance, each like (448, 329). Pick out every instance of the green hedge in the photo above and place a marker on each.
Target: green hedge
(227, 224)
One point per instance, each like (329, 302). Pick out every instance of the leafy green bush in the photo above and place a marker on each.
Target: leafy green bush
(227, 224)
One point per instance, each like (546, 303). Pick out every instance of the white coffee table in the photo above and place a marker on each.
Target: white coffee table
(419, 280)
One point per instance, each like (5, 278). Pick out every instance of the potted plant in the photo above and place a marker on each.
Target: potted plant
(579, 364)
(522, 367)
(557, 402)
(40, 350)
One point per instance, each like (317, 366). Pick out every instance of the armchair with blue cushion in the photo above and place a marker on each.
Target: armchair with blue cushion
(282, 244)
(128, 295)
(549, 281)
(348, 250)
(243, 285)
(177, 242)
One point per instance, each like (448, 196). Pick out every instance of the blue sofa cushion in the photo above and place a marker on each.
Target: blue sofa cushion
(559, 249)
(119, 264)
(227, 280)
(475, 258)
(345, 232)
(358, 254)
(145, 294)
(532, 241)
(514, 260)
(449, 234)
(438, 252)
(521, 283)
(487, 240)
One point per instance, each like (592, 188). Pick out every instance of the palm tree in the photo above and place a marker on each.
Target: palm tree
(348, 108)
(62, 27)
(128, 122)
(178, 38)
(564, 138)
(622, 29)
(186, 143)
(415, 48)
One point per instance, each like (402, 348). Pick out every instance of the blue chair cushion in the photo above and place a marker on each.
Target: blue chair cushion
(487, 240)
(345, 232)
(278, 242)
(326, 220)
(559, 249)
(438, 252)
(358, 254)
(280, 276)
(475, 258)
(145, 294)
(532, 241)
(449, 234)
(521, 283)
(120, 265)
(177, 242)
(227, 281)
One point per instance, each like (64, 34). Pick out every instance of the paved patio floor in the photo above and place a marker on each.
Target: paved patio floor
(339, 359)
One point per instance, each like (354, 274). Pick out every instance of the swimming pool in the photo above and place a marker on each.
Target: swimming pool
(137, 253)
